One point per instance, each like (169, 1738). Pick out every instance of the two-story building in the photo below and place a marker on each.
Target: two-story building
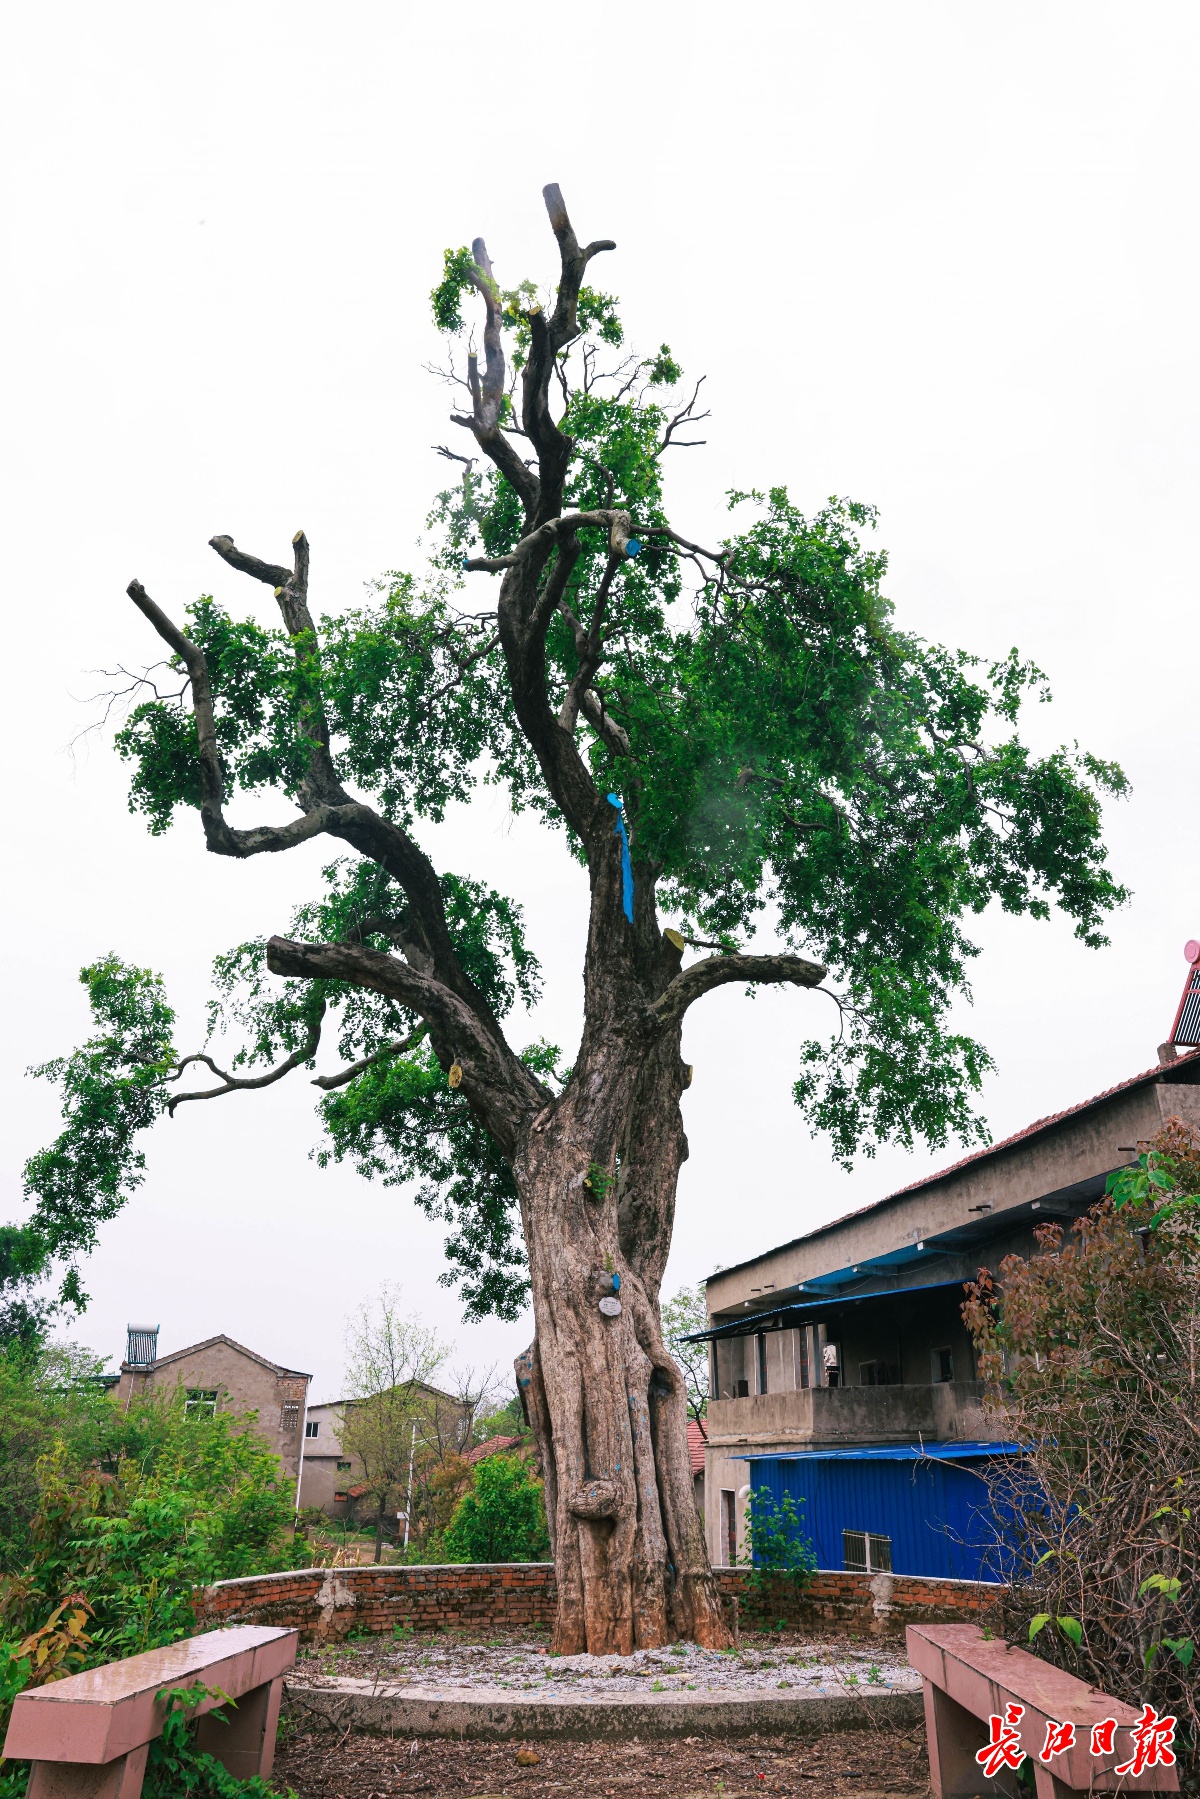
(221, 1375)
(332, 1476)
(848, 1341)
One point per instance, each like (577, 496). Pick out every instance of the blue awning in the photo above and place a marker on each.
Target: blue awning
(885, 1452)
(800, 1311)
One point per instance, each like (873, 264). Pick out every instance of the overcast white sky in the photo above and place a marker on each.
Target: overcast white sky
(935, 256)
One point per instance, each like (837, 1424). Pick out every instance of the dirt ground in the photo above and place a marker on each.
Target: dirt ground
(850, 1764)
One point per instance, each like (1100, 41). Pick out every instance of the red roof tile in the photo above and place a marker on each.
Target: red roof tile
(491, 1446)
(696, 1446)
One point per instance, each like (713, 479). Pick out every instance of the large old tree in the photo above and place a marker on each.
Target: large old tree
(732, 741)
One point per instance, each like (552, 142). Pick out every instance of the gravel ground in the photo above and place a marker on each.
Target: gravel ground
(760, 1663)
(850, 1764)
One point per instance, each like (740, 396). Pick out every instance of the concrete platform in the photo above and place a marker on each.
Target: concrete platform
(497, 1713)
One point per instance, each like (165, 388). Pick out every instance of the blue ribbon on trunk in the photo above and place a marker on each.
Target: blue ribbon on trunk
(614, 799)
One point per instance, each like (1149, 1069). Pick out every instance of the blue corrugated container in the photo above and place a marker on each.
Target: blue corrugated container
(930, 1503)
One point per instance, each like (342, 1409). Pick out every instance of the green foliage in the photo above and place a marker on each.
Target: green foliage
(174, 1768)
(133, 1510)
(503, 1517)
(400, 1122)
(682, 1317)
(177, 1502)
(446, 298)
(112, 1088)
(1166, 1177)
(778, 1549)
(1088, 1351)
(48, 1394)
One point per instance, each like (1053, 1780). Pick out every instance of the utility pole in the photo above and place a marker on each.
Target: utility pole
(412, 1450)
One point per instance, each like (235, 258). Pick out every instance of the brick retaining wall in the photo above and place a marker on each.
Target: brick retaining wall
(328, 1603)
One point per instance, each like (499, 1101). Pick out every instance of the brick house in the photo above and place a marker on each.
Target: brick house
(221, 1375)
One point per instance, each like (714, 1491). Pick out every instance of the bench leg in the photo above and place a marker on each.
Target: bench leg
(953, 1735)
(1049, 1786)
(243, 1740)
(119, 1779)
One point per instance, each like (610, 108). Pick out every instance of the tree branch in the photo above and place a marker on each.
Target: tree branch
(487, 393)
(717, 971)
(501, 1089)
(238, 1084)
(384, 1054)
(376, 838)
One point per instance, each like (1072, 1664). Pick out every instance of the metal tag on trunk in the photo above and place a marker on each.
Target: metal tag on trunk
(610, 1307)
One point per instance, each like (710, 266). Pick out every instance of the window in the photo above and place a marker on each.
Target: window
(943, 1364)
(741, 1389)
(311, 1427)
(201, 1402)
(343, 1467)
(869, 1374)
(289, 1415)
(865, 1553)
(762, 1362)
(728, 1527)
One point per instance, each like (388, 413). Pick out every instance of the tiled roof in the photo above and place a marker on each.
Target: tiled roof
(1163, 1071)
(1039, 1124)
(492, 1446)
(164, 1361)
(696, 1446)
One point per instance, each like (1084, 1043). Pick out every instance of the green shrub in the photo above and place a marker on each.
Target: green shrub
(503, 1517)
(169, 1504)
(778, 1548)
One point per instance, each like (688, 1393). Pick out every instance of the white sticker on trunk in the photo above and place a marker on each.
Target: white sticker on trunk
(610, 1307)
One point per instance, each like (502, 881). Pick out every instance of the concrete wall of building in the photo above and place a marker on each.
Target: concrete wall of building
(1083, 1147)
(329, 1471)
(242, 1383)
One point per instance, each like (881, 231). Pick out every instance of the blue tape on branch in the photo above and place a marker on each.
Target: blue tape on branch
(626, 866)
(632, 547)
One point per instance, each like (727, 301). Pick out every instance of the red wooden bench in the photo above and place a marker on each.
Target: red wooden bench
(88, 1736)
(969, 1679)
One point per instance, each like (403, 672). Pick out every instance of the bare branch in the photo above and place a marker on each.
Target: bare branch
(717, 971)
(383, 1054)
(232, 1083)
(272, 573)
(686, 415)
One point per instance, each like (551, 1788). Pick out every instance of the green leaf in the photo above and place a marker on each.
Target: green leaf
(1182, 1648)
(1166, 1584)
(1038, 1623)
(1072, 1629)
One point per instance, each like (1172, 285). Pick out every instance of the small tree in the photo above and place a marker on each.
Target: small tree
(391, 1360)
(682, 1317)
(1092, 1352)
(502, 1518)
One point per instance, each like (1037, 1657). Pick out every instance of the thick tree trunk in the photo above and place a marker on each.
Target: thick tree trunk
(603, 1395)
